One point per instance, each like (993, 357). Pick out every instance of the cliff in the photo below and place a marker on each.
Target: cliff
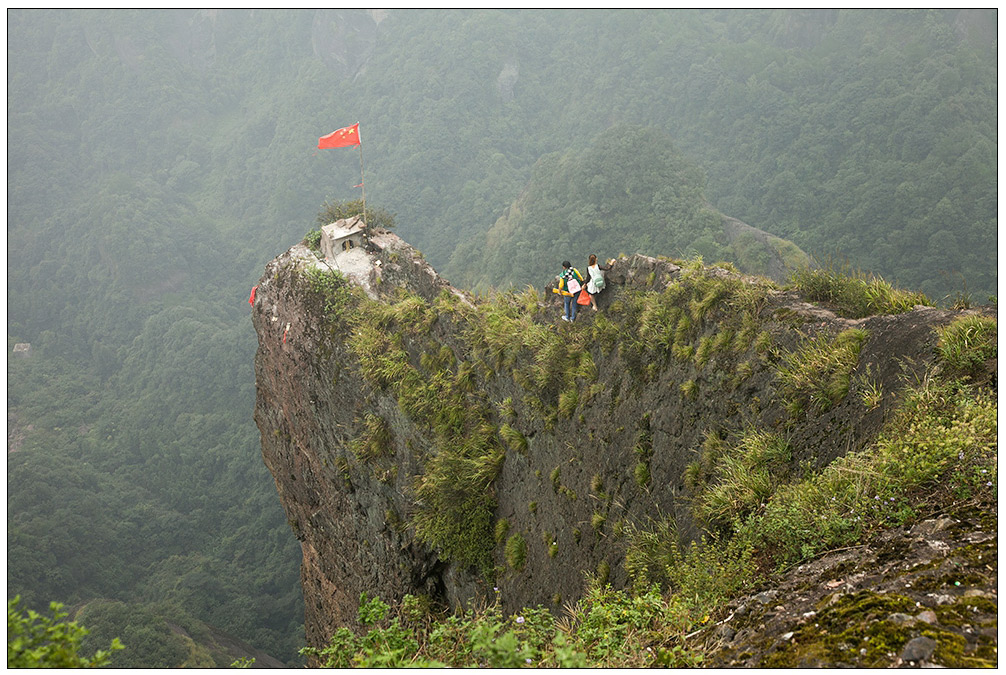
(427, 441)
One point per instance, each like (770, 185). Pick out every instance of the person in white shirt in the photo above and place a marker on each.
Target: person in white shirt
(596, 283)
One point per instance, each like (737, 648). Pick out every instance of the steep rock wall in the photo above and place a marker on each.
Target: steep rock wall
(577, 485)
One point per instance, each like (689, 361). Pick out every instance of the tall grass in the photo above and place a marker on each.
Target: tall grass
(941, 448)
(966, 344)
(742, 478)
(854, 294)
(817, 374)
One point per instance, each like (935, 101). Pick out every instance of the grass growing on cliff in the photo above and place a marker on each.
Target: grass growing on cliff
(514, 439)
(940, 447)
(677, 320)
(816, 375)
(966, 345)
(854, 294)
(376, 440)
(454, 502)
(742, 478)
(515, 552)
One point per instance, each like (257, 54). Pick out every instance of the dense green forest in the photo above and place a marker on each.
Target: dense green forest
(630, 189)
(158, 159)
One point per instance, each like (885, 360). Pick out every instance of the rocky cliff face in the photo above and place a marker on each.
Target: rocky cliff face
(558, 436)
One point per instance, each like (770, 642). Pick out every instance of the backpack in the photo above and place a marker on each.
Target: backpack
(572, 277)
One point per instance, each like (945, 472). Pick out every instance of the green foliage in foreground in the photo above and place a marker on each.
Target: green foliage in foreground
(606, 628)
(37, 641)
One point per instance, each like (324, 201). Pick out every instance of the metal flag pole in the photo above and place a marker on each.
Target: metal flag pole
(363, 183)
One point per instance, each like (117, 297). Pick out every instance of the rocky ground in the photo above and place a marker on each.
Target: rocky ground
(921, 596)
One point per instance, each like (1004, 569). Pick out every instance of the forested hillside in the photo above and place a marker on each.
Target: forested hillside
(158, 159)
(630, 189)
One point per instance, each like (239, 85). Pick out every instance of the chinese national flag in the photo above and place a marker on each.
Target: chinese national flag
(340, 138)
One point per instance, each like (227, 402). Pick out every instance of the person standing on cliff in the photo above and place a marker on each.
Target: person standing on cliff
(570, 282)
(596, 283)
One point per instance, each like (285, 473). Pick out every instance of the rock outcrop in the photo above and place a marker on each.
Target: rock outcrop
(596, 451)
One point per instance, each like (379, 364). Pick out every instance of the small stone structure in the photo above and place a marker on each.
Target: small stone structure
(22, 350)
(342, 235)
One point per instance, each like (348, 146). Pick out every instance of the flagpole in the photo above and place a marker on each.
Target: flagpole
(363, 183)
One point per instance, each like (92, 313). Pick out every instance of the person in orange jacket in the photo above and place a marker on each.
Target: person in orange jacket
(570, 283)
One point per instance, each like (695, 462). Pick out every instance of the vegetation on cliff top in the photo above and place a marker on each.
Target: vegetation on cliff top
(936, 452)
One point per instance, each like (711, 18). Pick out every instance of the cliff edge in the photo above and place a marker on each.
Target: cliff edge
(427, 441)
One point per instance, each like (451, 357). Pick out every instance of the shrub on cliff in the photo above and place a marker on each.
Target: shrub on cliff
(331, 211)
(854, 294)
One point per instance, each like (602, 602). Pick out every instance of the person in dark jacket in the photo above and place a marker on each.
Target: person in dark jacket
(570, 283)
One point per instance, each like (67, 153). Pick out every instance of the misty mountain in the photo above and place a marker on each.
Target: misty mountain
(158, 158)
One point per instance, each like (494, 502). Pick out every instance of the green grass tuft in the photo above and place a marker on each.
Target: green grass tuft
(966, 345)
(642, 474)
(514, 439)
(816, 376)
(854, 294)
(376, 440)
(515, 552)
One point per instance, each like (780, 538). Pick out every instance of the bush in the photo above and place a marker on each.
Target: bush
(336, 210)
(331, 286)
(37, 641)
(313, 240)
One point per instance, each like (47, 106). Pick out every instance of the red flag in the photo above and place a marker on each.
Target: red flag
(341, 138)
